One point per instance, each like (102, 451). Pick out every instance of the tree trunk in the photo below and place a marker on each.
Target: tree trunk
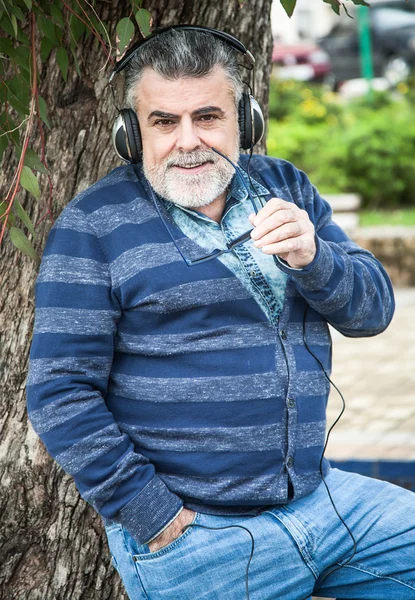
(52, 543)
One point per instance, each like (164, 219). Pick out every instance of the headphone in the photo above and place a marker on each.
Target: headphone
(126, 136)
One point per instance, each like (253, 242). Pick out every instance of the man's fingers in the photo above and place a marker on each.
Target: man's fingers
(284, 247)
(275, 204)
(275, 220)
(286, 231)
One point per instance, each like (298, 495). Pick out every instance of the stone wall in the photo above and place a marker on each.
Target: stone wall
(394, 247)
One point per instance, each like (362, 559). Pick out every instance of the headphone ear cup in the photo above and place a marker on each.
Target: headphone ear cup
(245, 134)
(258, 121)
(133, 134)
(251, 121)
(119, 139)
(126, 136)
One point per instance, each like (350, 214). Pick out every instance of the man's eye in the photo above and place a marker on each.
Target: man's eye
(163, 122)
(208, 118)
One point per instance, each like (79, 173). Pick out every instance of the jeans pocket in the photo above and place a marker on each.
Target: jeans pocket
(143, 552)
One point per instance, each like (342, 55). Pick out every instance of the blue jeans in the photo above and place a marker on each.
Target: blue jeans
(297, 548)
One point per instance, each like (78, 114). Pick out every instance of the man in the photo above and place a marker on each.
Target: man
(189, 403)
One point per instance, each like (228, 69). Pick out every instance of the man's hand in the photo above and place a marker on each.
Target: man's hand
(284, 229)
(173, 531)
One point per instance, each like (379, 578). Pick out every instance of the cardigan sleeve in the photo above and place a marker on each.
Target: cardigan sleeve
(344, 283)
(71, 354)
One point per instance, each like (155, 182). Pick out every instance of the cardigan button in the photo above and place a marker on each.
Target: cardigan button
(290, 462)
(290, 402)
(283, 334)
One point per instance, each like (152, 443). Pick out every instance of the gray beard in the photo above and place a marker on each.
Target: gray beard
(191, 191)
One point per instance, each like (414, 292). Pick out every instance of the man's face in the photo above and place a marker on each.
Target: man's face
(180, 120)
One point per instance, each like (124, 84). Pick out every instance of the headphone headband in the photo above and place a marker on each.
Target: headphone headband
(126, 135)
(225, 37)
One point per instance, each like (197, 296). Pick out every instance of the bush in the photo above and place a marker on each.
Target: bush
(354, 147)
(308, 103)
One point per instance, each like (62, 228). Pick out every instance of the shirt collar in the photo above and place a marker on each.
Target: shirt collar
(238, 191)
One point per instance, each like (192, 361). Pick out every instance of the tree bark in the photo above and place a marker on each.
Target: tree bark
(52, 543)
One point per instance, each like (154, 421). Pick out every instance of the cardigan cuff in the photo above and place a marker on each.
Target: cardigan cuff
(150, 512)
(314, 276)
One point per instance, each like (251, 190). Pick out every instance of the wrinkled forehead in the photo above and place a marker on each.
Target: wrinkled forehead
(190, 93)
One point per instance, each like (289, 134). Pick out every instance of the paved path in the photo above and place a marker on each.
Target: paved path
(377, 379)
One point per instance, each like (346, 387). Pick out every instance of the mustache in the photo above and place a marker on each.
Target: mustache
(191, 159)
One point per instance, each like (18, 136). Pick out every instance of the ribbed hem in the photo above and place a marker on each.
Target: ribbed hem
(150, 511)
(314, 276)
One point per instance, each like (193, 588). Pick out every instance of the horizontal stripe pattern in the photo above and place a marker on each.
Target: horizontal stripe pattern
(243, 336)
(79, 321)
(109, 217)
(69, 269)
(80, 454)
(197, 293)
(223, 439)
(196, 389)
(45, 369)
(63, 409)
(218, 439)
(153, 383)
(256, 490)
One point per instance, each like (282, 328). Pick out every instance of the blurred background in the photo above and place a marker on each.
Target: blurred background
(342, 101)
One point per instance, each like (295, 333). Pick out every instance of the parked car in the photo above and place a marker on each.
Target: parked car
(392, 26)
(302, 62)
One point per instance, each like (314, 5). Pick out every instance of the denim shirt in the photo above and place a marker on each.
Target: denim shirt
(255, 269)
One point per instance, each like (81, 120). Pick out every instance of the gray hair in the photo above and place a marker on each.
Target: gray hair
(182, 53)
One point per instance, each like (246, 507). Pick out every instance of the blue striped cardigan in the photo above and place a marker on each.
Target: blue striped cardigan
(157, 385)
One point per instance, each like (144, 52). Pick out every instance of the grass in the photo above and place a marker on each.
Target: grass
(405, 216)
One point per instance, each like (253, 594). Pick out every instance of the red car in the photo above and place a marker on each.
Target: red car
(302, 62)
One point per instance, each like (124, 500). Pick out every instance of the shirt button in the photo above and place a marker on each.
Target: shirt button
(253, 273)
(283, 334)
(290, 462)
(290, 402)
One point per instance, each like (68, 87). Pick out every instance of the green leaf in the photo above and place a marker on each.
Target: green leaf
(7, 47)
(21, 92)
(77, 28)
(48, 29)
(13, 21)
(3, 144)
(144, 21)
(32, 160)
(56, 13)
(289, 6)
(3, 207)
(17, 12)
(21, 242)
(23, 216)
(12, 219)
(29, 181)
(45, 48)
(6, 24)
(22, 109)
(361, 3)
(346, 11)
(335, 4)
(76, 63)
(6, 125)
(125, 32)
(28, 3)
(43, 112)
(63, 62)
(22, 56)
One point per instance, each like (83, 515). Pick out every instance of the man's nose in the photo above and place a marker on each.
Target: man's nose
(187, 135)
